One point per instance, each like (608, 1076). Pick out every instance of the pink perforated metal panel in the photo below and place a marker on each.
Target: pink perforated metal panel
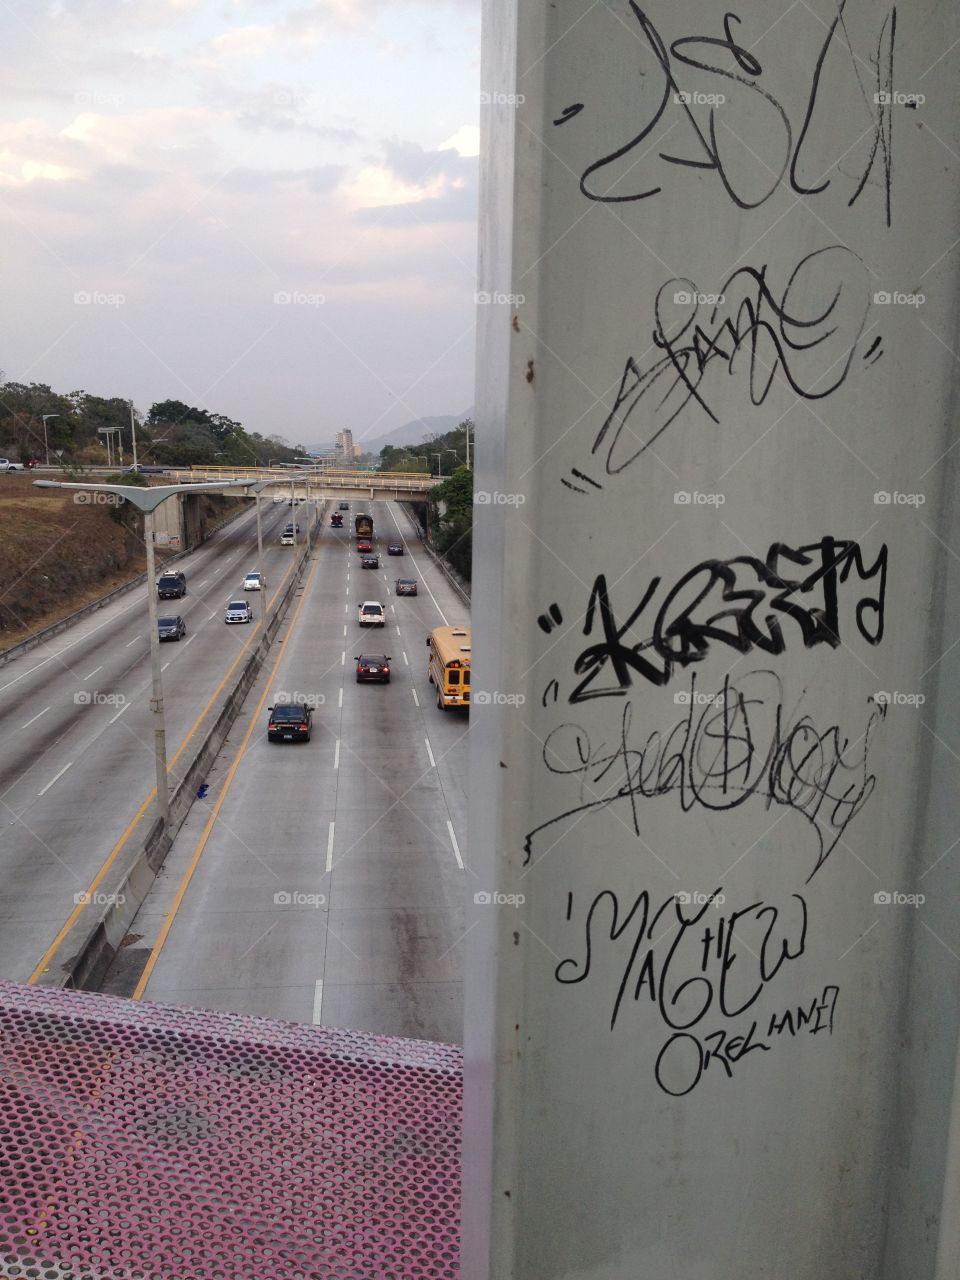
(147, 1142)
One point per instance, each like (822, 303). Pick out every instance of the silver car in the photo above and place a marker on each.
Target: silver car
(238, 611)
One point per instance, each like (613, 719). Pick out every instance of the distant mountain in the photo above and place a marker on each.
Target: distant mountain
(414, 432)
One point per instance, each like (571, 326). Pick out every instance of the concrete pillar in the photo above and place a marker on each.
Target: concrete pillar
(711, 1009)
(170, 523)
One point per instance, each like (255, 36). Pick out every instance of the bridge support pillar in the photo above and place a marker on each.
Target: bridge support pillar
(711, 1024)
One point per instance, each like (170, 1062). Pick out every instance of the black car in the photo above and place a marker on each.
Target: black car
(170, 586)
(395, 549)
(290, 722)
(406, 587)
(373, 666)
(369, 562)
(171, 628)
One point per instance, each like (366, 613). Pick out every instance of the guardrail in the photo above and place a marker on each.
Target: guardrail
(459, 585)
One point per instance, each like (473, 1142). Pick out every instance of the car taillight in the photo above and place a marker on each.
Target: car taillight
(270, 727)
(303, 726)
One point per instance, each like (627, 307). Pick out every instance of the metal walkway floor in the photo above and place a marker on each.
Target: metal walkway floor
(149, 1142)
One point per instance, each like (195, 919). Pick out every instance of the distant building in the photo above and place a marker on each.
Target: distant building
(344, 446)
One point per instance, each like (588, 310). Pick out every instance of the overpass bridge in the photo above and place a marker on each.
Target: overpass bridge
(320, 481)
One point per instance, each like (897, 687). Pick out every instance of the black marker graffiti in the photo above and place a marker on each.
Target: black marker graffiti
(739, 603)
(689, 966)
(807, 333)
(717, 146)
(743, 744)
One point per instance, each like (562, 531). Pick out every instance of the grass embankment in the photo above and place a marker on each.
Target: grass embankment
(57, 555)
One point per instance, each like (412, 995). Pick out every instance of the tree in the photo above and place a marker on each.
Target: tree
(453, 529)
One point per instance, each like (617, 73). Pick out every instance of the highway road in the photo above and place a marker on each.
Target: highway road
(76, 734)
(325, 881)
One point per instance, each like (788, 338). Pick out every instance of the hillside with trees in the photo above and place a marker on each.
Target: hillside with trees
(449, 519)
(172, 432)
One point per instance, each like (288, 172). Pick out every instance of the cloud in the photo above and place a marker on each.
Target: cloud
(318, 180)
(466, 141)
(276, 108)
(242, 42)
(412, 184)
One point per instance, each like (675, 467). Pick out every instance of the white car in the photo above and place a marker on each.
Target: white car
(278, 499)
(7, 465)
(254, 582)
(287, 540)
(372, 614)
(238, 611)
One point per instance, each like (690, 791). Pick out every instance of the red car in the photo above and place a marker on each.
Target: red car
(364, 546)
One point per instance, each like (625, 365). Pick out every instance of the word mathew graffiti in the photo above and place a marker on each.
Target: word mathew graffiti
(694, 967)
(779, 141)
(738, 603)
(807, 334)
(743, 745)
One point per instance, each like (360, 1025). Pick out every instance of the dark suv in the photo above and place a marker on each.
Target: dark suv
(171, 586)
(290, 722)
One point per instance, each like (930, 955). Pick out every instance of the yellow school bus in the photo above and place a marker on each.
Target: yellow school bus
(448, 666)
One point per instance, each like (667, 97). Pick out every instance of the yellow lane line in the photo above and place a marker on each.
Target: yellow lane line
(215, 811)
(115, 851)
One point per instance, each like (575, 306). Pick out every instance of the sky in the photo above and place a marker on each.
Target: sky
(266, 208)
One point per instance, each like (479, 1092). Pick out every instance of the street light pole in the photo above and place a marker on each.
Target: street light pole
(159, 731)
(133, 435)
(46, 447)
(147, 500)
(438, 457)
(263, 591)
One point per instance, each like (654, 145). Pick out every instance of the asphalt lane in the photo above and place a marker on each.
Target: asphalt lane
(322, 881)
(76, 734)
